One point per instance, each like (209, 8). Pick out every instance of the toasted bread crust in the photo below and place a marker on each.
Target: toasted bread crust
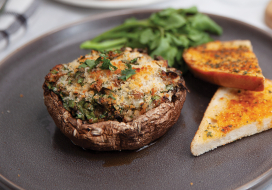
(114, 135)
(230, 80)
(229, 64)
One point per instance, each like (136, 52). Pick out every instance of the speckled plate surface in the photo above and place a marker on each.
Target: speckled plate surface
(34, 154)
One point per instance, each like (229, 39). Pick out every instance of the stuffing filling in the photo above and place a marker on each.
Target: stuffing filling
(113, 85)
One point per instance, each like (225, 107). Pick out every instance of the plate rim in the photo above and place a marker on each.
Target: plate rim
(7, 183)
(106, 4)
(117, 13)
(266, 176)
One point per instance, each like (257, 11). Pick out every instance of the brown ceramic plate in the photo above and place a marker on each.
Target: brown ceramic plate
(34, 154)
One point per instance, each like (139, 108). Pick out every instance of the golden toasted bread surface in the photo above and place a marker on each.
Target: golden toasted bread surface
(231, 115)
(230, 64)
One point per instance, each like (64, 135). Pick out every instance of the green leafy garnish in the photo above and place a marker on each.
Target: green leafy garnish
(80, 80)
(80, 116)
(170, 87)
(166, 33)
(109, 44)
(133, 61)
(66, 106)
(71, 103)
(89, 63)
(156, 97)
(107, 65)
(110, 96)
(49, 85)
(82, 66)
(89, 115)
(127, 73)
(54, 72)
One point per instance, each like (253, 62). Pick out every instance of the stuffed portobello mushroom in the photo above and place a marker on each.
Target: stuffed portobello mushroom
(114, 100)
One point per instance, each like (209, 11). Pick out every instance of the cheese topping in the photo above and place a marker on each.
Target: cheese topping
(113, 85)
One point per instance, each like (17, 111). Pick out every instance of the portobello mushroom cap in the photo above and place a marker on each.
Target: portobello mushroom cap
(116, 100)
(114, 135)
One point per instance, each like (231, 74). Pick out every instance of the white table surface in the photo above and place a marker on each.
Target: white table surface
(52, 15)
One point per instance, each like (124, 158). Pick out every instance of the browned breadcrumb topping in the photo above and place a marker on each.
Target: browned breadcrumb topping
(113, 85)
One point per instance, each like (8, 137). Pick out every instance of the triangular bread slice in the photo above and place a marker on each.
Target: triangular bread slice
(233, 114)
(230, 64)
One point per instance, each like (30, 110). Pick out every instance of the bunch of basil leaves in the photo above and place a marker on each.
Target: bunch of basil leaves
(166, 33)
